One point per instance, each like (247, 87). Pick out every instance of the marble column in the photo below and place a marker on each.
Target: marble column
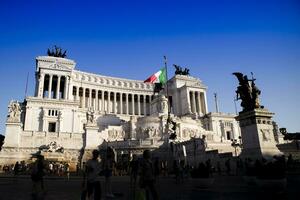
(41, 86)
(127, 104)
(102, 100)
(145, 108)
(115, 103)
(121, 103)
(66, 92)
(96, 100)
(50, 85)
(132, 101)
(77, 93)
(108, 102)
(205, 103)
(83, 97)
(90, 98)
(149, 106)
(57, 87)
(139, 105)
(199, 103)
(193, 102)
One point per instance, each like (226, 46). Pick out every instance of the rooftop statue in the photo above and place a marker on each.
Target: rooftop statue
(247, 92)
(57, 52)
(180, 71)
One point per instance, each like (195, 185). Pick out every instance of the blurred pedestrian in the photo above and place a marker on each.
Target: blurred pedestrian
(147, 178)
(91, 184)
(134, 167)
(37, 177)
(108, 166)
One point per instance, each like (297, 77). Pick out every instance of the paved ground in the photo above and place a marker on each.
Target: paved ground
(224, 187)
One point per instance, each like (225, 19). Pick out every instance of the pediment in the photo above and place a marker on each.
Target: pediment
(55, 63)
(59, 66)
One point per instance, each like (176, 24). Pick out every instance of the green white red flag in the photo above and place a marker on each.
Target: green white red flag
(158, 77)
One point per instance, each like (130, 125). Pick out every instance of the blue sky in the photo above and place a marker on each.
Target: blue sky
(129, 38)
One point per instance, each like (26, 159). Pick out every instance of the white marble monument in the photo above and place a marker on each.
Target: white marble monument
(81, 111)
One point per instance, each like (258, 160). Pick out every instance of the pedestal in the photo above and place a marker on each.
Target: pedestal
(257, 134)
(12, 134)
(92, 139)
(159, 106)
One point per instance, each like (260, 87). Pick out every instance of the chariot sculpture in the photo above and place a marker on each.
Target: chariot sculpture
(181, 71)
(57, 52)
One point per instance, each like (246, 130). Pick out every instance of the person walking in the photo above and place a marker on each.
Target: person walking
(147, 177)
(91, 184)
(108, 165)
(134, 167)
(16, 171)
(37, 177)
(67, 170)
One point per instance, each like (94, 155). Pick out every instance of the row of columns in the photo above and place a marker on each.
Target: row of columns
(197, 102)
(48, 80)
(101, 100)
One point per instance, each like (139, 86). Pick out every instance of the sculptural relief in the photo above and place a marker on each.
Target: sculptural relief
(189, 132)
(52, 147)
(266, 135)
(114, 134)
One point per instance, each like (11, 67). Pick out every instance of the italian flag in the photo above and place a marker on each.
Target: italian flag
(158, 77)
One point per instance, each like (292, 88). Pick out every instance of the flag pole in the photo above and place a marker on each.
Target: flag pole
(26, 86)
(166, 67)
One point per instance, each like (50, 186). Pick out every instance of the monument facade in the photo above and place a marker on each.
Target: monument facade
(79, 111)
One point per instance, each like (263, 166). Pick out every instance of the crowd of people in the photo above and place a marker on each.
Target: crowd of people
(23, 168)
(144, 171)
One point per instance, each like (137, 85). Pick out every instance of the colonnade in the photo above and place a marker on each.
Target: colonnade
(52, 86)
(197, 102)
(113, 102)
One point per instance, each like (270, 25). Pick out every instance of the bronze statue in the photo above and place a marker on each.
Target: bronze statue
(247, 92)
(57, 52)
(180, 71)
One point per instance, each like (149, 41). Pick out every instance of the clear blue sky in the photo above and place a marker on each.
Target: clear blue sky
(129, 38)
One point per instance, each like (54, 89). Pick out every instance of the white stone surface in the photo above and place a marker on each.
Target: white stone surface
(82, 110)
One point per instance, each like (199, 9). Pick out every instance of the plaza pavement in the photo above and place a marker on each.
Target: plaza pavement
(224, 187)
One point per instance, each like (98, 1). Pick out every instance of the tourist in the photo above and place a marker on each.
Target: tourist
(16, 168)
(176, 170)
(37, 175)
(156, 168)
(51, 168)
(67, 170)
(91, 182)
(181, 171)
(108, 166)
(228, 167)
(147, 179)
(134, 167)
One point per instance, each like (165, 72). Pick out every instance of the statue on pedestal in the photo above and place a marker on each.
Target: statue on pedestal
(90, 116)
(247, 92)
(14, 112)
